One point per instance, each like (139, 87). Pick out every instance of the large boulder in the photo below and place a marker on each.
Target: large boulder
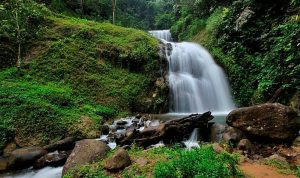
(267, 121)
(25, 157)
(118, 161)
(86, 151)
(62, 145)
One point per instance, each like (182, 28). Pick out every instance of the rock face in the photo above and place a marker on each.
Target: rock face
(24, 157)
(86, 151)
(267, 121)
(119, 161)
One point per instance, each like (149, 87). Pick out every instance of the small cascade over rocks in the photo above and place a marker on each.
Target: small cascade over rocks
(192, 142)
(197, 84)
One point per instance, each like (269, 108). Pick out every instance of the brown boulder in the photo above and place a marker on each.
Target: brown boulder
(216, 132)
(118, 161)
(232, 135)
(267, 121)
(86, 151)
(9, 148)
(25, 157)
(62, 145)
(245, 145)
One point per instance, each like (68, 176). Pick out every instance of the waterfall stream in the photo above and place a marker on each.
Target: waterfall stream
(197, 84)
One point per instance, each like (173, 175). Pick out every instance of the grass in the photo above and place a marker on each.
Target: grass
(168, 162)
(103, 62)
(37, 113)
(76, 73)
(282, 168)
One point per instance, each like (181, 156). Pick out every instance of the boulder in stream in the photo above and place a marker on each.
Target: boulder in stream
(86, 151)
(62, 145)
(25, 157)
(271, 121)
(54, 159)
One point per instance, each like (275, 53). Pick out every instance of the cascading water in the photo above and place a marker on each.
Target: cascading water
(192, 142)
(197, 83)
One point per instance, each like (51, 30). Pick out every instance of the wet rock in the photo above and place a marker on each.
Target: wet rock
(138, 116)
(245, 145)
(85, 152)
(54, 159)
(62, 145)
(216, 132)
(118, 161)
(136, 120)
(141, 161)
(232, 135)
(121, 127)
(25, 157)
(9, 148)
(121, 122)
(113, 128)
(105, 130)
(271, 121)
(170, 131)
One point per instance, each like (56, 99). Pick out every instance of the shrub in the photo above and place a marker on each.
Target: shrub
(202, 162)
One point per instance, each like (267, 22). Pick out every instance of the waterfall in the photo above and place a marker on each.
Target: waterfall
(197, 84)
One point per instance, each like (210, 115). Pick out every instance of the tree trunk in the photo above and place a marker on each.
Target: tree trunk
(18, 40)
(114, 3)
(170, 132)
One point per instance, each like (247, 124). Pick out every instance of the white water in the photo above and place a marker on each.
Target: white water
(192, 142)
(197, 84)
(47, 172)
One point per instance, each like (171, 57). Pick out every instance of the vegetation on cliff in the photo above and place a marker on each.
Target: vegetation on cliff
(256, 42)
(72, 71)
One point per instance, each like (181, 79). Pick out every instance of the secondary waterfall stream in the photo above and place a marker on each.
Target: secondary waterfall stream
(197, 84)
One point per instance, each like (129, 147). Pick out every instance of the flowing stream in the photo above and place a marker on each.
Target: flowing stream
(197, 84)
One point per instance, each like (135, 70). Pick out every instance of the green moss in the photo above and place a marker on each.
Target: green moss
(78, 69)
(103, 62)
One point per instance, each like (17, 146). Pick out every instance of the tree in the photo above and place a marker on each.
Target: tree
(114, 4)
(19, 19)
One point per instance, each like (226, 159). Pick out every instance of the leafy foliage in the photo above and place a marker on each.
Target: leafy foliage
(18, 23)
(203, 162)
(260, 56)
